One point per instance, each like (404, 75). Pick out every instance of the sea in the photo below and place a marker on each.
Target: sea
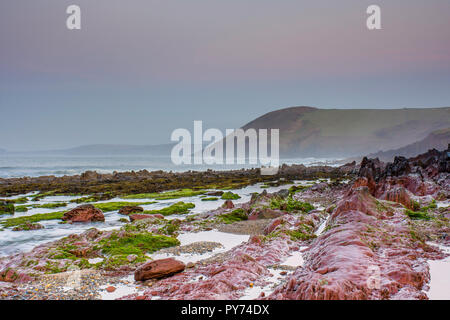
(34, 165)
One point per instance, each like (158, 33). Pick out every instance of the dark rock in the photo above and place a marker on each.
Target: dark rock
(215, 193)
(400, 167)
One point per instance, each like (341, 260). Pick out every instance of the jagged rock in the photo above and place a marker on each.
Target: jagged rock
(28, 227)
(284, 193)
(400, 167)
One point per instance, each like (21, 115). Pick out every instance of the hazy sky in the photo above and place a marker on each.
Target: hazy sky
(140, 68)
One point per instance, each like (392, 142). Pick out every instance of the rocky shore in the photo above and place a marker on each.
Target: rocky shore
(360, 231)
(105, 186)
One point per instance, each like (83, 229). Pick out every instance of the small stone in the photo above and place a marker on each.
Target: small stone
(190, 265)
(111, 289)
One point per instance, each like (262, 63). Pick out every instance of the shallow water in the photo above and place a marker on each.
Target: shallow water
(227, 240)
(275, 278)
(255, 292)
(440, 277)
(322, 227)
(124, 288)
(22, 241)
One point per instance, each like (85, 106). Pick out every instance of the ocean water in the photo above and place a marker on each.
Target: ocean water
(18, 165)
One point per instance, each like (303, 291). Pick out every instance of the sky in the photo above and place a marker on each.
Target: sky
(138, 69)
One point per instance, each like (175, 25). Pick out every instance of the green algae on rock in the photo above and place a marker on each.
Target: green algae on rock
(168, 195)
(12, 222)
(6, 207)
(115, 206)
(290, 205)
(210, 199)
(50, 205)
(176, 208)
(234, 216)
(230, 196)
(21, 208)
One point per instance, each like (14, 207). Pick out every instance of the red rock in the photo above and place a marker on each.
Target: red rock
(8, 276)
(84, 213)
(127, 210)
(399, 195)
(256, 239)
(135, 217)
(271, 227)
(111, 289)
(228, 204)
(358, 199)
(159, 269)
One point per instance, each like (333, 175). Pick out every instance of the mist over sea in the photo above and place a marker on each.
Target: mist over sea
(17, 165)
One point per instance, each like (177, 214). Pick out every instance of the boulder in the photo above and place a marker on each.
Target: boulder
(127, 210)
(159, 269)
(84, 213)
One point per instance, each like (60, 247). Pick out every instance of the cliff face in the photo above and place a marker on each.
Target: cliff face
(312, 132)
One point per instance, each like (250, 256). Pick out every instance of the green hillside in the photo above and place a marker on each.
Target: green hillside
(312, 132)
